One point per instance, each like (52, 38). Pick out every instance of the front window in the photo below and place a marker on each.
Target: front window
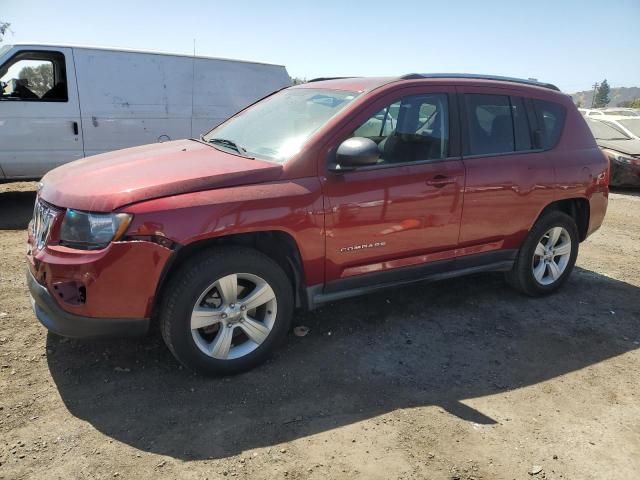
(277, 128)
(632, 125)
(603, 131)
(414, 128)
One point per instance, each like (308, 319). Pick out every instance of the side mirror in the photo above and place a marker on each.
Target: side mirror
(357, 152)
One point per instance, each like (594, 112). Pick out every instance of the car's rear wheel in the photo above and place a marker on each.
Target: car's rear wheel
(547, 256)
(226, 310)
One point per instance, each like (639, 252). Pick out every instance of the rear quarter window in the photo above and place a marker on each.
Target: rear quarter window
(551, 118)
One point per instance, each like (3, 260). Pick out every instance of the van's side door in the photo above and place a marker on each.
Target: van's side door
(386, 220)
(39, 111)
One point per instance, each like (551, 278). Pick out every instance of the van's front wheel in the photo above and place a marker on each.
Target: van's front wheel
(226, 310)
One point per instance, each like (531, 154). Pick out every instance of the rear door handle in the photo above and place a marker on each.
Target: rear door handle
(440, 181)
(75, 128)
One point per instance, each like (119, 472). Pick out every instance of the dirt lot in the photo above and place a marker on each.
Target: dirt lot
(454, 380)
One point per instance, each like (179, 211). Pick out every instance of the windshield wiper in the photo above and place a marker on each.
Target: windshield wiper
(230, 144)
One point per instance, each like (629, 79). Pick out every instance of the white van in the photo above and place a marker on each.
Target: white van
(61, 103)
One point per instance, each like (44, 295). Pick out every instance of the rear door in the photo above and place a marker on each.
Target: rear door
(509, 179)
(404, 211)
(39, 111)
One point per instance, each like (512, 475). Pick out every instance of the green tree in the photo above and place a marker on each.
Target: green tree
(40, 77)
(602, 95)
(297, 80)
(579, 104)
(635, 103)
(4, 28)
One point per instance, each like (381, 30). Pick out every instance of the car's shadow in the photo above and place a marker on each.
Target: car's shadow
(426, 344)
(16, 209)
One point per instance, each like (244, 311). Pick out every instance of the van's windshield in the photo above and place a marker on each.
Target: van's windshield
(277, 128)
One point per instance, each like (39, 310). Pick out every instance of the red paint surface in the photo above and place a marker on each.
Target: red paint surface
(105, 182)
(187, 191)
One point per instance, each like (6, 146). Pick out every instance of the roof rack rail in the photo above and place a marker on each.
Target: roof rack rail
(415, 76)
(322, 79)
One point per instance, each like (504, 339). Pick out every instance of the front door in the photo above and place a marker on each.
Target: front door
(405, 210)
(39, 112)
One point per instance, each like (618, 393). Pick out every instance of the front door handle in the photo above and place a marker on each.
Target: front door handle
(75, 128)
(440, 181)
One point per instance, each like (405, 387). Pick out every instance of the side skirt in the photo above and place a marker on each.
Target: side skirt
(499, 261)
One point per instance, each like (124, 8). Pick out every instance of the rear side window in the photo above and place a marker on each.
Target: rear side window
(489, 124)
(551, 120)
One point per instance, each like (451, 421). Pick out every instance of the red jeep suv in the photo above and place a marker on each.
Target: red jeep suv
(315, 193)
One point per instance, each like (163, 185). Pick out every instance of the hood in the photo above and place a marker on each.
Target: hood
(630, 147)
(105, 182)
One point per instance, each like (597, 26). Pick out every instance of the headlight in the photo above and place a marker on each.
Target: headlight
(91, 231)
(621, 157)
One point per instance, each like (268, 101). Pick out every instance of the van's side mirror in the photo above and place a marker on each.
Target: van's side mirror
(356, 152)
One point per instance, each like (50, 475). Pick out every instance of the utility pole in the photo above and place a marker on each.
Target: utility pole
(595, 89)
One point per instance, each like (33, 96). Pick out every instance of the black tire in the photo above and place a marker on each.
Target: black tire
(521, 276)
(193, 278)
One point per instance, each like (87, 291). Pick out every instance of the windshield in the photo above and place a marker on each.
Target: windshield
(632, 125)
(277, 128)
(621, 113)
(603, 131)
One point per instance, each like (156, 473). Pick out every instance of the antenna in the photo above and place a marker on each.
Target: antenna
(194, 47)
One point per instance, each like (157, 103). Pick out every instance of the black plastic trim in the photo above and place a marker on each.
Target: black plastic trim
(499, 260)
(66, 324)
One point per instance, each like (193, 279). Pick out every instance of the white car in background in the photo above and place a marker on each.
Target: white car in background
(607, 112)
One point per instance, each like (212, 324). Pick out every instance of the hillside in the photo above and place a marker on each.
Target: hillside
(617, 95)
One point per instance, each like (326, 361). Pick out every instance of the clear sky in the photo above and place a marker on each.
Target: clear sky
(567, 42)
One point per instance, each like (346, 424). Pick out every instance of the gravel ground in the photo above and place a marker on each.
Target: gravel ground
(462, 379)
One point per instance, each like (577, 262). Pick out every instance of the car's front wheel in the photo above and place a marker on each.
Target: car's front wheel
(226, 310)
(547, 256)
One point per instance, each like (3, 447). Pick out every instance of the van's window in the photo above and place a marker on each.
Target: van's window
(412, 129)
(551, 116)
(520, 124)
(489, 124)
(34, 76)
(277, 127)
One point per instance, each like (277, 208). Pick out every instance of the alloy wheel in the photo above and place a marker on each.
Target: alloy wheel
(551, 255)
(233, 316)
